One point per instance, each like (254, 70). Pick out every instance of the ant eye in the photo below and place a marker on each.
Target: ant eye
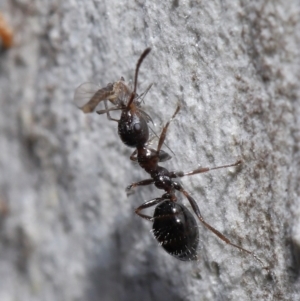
(137, 127)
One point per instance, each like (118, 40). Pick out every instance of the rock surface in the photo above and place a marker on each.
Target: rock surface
(67, 229)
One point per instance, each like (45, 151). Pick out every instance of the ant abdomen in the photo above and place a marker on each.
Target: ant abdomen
(133, 129)
(175, 228)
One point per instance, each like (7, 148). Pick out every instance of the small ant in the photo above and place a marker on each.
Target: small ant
(174, 226)
(6, 33)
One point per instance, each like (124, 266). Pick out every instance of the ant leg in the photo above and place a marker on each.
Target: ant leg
(148, 204)
(142, 96)
(158, 138)
(107, 110)
(175, 174)
(164, 131)
(141, 183)
(215, 231)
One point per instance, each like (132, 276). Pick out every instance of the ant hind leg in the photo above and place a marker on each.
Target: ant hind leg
(215, 231)
(179, 174)
(146, 205)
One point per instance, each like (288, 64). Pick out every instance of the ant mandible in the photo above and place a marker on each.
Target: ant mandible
(174, 227)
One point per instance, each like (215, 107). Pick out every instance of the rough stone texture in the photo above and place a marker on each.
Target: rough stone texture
(68, 231)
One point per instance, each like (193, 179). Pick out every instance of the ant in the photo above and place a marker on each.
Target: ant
(174, 226)
(6, 33)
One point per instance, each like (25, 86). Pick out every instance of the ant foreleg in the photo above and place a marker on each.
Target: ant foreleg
(215, 231)
(141, 183)
(176, 174)
(142, 96)
(148, 204)
(164, 130)
(107, 110)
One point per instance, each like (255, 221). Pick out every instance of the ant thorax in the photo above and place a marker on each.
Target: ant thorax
(146, 154)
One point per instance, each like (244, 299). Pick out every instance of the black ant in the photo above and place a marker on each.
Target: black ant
(174, 227)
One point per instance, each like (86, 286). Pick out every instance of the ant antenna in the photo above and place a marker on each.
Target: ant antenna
(142, 57)
(167, 146)
(142, 96)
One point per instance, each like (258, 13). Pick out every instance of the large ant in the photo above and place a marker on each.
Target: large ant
(174, 226)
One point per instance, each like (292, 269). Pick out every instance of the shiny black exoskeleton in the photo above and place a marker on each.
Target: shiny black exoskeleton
(175, 228)
(133, 128)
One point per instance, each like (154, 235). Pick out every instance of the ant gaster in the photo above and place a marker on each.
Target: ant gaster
(174, 227)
